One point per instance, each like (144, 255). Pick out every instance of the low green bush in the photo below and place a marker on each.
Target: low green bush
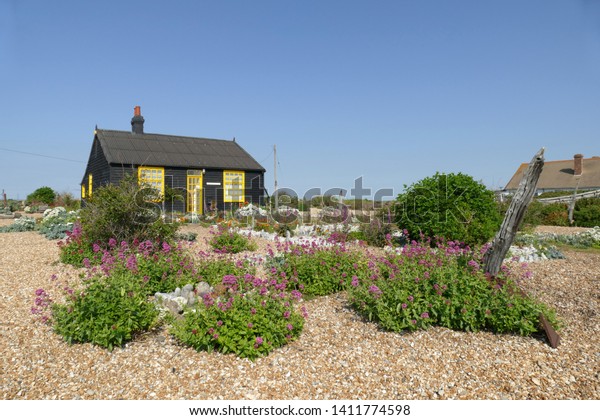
(108, 312)
(22, 224)
(212, 270)
(229, 242)
(443, 286)
(250, 319)
(316, 270)
(587, 212)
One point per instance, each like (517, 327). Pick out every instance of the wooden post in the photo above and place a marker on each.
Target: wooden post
(492, 261)
(494, 257)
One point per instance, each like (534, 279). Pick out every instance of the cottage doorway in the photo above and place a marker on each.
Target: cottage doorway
(194, 192)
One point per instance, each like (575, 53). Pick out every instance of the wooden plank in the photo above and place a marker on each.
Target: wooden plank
(551, 333)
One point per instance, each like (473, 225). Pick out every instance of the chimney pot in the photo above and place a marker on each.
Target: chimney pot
(137, 122)
(578, 164)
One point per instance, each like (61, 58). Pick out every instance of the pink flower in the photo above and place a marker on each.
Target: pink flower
(290, 327)
(355, 281)
(425, 315)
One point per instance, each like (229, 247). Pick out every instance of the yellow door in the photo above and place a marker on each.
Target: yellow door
(194, 193)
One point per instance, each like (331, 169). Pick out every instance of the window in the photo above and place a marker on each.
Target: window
(82, 190)
(152, 177)
(194, 191)
(233, 185)
(90, 185)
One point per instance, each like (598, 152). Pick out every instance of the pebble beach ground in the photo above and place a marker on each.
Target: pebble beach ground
(338, 355)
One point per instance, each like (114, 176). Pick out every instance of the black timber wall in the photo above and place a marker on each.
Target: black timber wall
(176, 179)
(97, 166)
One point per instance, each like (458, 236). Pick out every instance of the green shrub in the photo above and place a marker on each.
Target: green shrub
(44, 195)
(250, 319)
(22, 224)
(548, 214)
(453, 206)
(587, 212)
(108, 312)
(226, 241)
(377, 233)
(213, 270)
(124, 212)
(318, 271)
(443, 286)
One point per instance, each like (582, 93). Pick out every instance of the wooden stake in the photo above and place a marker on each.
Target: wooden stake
(493, 258)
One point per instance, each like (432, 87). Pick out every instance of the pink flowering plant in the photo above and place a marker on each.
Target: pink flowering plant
(444, 286)
(315, 269)
(108, 312)
(246, 315)
(228, 242)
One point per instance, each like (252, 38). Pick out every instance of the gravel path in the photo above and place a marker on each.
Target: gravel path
(338, 356)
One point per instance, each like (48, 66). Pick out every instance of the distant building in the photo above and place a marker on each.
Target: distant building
(563, 175)
(207, 174)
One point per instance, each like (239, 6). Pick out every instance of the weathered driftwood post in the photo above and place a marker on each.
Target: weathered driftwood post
(514, 215)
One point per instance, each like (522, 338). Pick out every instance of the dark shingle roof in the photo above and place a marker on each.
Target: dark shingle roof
(124, 147)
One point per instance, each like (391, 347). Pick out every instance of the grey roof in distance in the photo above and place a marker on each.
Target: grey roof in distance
(124, 147)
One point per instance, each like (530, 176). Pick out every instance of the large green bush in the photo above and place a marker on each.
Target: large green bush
(453, 206)
(124, 212)
(44, 195)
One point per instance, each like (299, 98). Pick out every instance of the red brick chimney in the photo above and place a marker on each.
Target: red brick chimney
(137, 122)
(578, 164)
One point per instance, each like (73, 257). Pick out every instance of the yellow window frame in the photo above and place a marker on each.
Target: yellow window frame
(152, 176)
(194, 191)
(82, 190)
(90, 185)
(231, 180)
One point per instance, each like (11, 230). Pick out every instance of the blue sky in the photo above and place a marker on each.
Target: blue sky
(390, 90)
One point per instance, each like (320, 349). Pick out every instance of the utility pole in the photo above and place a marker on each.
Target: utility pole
(275, 176)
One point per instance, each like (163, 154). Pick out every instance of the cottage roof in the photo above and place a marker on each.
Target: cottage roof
(560, 174)
(128, 148)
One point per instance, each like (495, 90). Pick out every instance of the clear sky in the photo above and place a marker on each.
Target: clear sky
(390, 90)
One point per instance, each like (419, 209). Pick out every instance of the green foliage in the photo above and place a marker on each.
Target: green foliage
(443, 286)
(56, 223)
(213, 270)
(75, 249)
(108, 312)
(226, 241)
(243, 321)
(44, 195)
(587, 212)
(124, 212)
(548, 214)
(453, 206)
(318, 271)
(22, 224)
(66, 200)
(377, 233)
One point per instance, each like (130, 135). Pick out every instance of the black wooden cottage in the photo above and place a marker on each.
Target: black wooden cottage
(206, 174)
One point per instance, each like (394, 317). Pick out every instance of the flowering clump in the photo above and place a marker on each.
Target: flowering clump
(228, 242)
(316, 269)
(424, 286)
(249, 317)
